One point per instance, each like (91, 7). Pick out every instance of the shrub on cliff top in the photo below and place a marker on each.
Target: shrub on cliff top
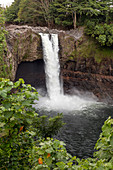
(103, 33)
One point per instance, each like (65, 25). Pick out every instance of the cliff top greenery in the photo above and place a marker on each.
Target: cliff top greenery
(62, 13)
(66, 14)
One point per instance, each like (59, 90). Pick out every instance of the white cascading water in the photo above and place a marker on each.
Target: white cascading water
(56, 100)
(52, 67)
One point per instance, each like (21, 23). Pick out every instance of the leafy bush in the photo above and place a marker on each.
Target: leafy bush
(47, 127)
(5, 71)
(105, 142)
(90, 25)
(50, 154)
(17, 117)
(103, 33)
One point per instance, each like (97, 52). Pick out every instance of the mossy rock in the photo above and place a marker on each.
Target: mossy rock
(87, 47)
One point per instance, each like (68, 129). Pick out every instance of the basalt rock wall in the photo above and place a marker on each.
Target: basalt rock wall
(23, 45)
(83, 65)
(89, 68)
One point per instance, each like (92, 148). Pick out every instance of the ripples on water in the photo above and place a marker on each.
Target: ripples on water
(83, 121)
(82, 130)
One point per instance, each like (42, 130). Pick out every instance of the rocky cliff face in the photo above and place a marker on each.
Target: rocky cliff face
(83, 65)
(89, 68)
(24, 44)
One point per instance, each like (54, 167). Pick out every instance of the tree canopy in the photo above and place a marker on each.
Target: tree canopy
(66, 13)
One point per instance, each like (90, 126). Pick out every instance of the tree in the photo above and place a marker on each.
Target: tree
(35, 12)
(84, 7)
(66, 12)
(62, 13)
(12, 11)
(28, 12)
(91, 8)
(106, 9)
(44, 6)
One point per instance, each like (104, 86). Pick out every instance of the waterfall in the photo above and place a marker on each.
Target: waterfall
(56, 100)
(52, 66)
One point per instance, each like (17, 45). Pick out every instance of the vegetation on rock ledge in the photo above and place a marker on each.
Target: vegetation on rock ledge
(5, 70)
(86, 47)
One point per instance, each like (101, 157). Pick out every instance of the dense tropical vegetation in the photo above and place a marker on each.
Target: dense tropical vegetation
(21, 128)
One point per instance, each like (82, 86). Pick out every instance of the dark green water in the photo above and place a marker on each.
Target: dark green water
(82, 128)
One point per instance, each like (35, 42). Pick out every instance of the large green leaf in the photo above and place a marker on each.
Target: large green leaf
(8, 114)
(7, 105)
(29, 120)
(3, 93)
(48, 160)
(111, 140)
(61, 165)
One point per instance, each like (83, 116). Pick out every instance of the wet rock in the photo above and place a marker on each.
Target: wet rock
(100, 85)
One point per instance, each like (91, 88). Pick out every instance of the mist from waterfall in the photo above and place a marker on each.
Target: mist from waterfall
(55, 99)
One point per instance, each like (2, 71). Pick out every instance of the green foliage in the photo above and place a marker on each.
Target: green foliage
(105, 142)
(17, 117)
(62, 13)
(88, 48)
(47, 127)
(103, 33)
(28, 12)
(59, 12)
(4, 69)
(12, 11)
(14, 150)
(51, 154)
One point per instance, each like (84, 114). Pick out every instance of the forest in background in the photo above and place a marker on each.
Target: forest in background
(64, 13)
(97, 16)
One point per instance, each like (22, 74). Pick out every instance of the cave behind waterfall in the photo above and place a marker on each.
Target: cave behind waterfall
(32, 72)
